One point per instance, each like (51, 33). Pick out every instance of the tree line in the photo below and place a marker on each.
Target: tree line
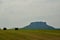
(7, 29)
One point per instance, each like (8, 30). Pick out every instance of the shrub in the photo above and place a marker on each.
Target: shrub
(4, 28)
(16, 28)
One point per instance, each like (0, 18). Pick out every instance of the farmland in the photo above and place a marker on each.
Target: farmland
(29, 34)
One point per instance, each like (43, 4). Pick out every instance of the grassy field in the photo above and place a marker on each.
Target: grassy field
(29, 34)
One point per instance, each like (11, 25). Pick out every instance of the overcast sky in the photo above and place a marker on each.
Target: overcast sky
(22, 12)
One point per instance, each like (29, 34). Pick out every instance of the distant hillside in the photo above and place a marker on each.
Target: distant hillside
(57, 29)
(38, 25)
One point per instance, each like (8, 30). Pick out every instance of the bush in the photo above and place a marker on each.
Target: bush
(16, 28)
(4, 28)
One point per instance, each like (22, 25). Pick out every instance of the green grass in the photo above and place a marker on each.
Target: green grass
(29, 34)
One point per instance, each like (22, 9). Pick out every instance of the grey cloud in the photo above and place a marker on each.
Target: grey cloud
(22, 12)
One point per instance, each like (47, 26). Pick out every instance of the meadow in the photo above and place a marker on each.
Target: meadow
(29, 34)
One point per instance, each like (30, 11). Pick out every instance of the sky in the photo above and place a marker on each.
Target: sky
(19, 13)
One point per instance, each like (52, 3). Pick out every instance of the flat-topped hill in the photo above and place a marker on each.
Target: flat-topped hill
(38, 25)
